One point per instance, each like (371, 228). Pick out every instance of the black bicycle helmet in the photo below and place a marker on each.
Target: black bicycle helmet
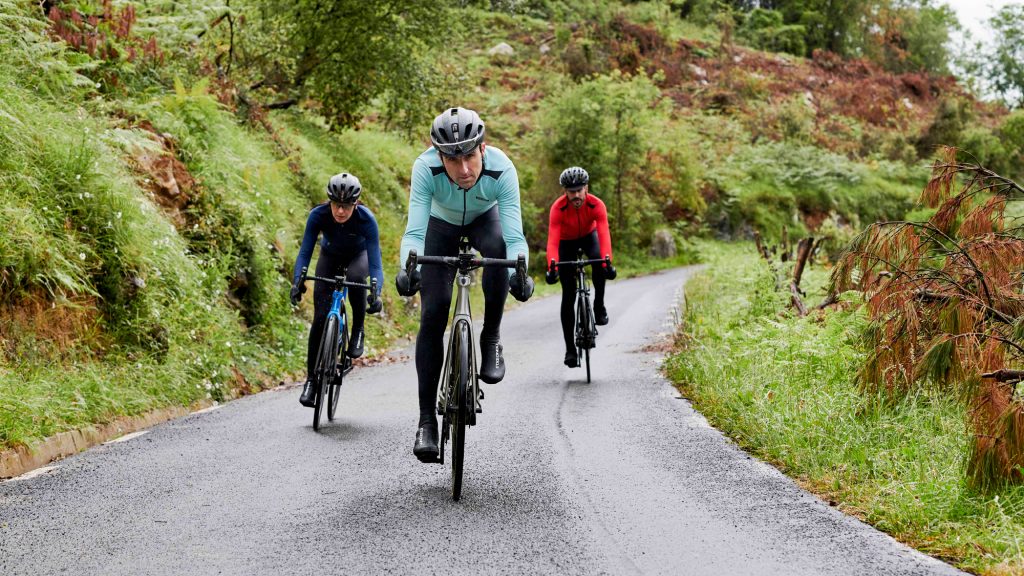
(344, 188)
(457, 132)
(574, 178)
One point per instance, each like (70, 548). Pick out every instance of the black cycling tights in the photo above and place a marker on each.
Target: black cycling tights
(567, 276)
(442, 239)
(328, 266)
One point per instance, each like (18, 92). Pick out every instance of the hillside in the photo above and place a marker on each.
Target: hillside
(155, 185)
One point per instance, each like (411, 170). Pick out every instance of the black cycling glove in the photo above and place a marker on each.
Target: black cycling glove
(520, 289)
(297, 291)
(405, 285)
(609, 272)
(551, 276)
(373, 302)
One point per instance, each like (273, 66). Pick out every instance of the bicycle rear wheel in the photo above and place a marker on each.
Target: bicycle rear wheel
(325, 368)
(339, 372)
(460, 371)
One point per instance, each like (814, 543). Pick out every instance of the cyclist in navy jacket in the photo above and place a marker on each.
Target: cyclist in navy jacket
(349, 239)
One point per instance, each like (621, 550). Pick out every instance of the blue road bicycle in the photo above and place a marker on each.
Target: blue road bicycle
(331, 362)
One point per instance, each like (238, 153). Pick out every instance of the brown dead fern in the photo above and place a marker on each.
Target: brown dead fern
(945, 300)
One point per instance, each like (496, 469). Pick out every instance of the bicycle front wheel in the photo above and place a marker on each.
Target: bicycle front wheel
(325, 368)
(460, 370)
(339, 372)
(588, 333)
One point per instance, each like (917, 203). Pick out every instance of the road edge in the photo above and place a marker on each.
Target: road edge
(17, 461)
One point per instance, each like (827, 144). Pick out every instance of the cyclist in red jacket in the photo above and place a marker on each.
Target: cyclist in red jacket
(579, 221)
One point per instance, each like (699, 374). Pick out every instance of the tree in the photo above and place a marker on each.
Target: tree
(344, 53)
(946, 308)
(912, 35)
(618, 129)
(1002, 64)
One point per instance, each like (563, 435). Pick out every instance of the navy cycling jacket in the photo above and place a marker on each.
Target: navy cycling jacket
(355, 235)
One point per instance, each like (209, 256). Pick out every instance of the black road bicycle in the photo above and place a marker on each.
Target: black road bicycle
(331, 362)
(586, 325)
(459, 394)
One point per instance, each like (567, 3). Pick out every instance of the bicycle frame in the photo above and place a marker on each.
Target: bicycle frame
(463, 280)
(339, 295)
(338, 304)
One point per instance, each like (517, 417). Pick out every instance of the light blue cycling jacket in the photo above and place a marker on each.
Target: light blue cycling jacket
(432, 193)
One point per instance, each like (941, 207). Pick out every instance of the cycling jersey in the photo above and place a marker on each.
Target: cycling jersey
(570, 223)
(433, 194)
(358, 233)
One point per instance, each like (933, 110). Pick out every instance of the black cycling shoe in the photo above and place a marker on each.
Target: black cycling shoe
(425, 447)
(492, 363)
(571, 359)
(308, 398)
(600, 315)
(355, 345)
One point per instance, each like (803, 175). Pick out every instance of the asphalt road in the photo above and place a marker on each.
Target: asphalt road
(619, 476)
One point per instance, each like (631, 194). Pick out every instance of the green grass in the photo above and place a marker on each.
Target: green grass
(784, 388)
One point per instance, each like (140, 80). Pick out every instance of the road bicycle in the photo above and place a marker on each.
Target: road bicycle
(459, 393)
(586, 324)
(331, 362)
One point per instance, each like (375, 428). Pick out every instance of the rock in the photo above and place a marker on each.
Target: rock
(501, 49)
(544, 48)
(663, 245)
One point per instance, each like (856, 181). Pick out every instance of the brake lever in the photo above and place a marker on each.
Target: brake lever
(410, 262)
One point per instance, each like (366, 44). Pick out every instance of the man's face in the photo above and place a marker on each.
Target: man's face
(342, 212)
(576, 197)
(465, 170)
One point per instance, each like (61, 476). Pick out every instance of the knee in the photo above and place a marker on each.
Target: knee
(493, 248)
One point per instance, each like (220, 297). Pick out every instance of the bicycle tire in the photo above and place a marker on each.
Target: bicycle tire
(339, 373)
(459, 419)
(588, 332)
(324, 368)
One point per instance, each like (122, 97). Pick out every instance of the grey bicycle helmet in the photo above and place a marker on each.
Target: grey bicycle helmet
(344, 188)
(574, 178)
(457, 132)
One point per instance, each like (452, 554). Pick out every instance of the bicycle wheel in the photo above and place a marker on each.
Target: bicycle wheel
(339, 372)
(460, 370)
(581, 327)
(324, 368)
(588, 332)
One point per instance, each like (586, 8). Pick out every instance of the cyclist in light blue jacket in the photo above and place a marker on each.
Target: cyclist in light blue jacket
(460, 187)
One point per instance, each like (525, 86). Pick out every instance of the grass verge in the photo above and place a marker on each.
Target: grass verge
(784, 388)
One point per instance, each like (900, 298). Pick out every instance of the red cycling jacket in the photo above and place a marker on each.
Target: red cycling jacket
(570, 223)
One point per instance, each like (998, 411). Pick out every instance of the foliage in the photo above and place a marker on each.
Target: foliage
(1001, 64)
(946, 129)
(945, 303)
(901, 35)
(636, 166)
(148, 325)
(765, 30)
(107, 35)
(772, 185)
(343, 53)
(1011, 138)
(783, 389)
(914, 35)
